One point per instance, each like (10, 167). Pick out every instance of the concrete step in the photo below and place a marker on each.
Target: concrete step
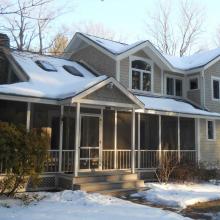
(106, 178)
(122, 192)
(101, 186)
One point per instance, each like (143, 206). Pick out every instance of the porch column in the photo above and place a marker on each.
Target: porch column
(61, 138)
(139, 140)
(28, 120)
(115, 140)
(133, 142)
(197, 141)
(160, 146)
(77, 139)
(178, 138)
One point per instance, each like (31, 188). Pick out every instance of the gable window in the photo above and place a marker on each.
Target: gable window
(141, 75)
(215, 88)
(210, 130)
(193, 83)
(174, 86)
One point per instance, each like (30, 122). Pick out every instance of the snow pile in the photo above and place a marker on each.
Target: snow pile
(77, 205)
(180, 195)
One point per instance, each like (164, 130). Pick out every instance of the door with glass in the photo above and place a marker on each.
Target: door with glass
(90, 142)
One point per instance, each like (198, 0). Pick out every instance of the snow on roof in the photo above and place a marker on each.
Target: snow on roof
(194, 61)
(47, 84)
(110, 45)
(172, 105)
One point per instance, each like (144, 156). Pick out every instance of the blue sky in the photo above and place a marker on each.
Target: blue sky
(128, 16)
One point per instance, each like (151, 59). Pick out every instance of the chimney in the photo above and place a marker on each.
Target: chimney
(4, 41)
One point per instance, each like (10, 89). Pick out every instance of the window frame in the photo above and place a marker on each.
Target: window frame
(189, 81)
(174, 85)
(214, 130)
(212, 88)
(151, 63)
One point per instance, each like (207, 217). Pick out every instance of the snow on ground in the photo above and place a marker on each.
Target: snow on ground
(78, 205)
(180, 195)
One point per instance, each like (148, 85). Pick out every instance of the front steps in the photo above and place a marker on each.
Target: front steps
(111, 184)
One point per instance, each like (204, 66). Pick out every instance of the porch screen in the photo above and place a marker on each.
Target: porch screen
(187, 133)
(124, 130)
(69, 128)
(149, 132)
(169, 133)
(108, 129)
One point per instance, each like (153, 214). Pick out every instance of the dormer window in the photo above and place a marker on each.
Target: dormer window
(141, 75)
(45, 65)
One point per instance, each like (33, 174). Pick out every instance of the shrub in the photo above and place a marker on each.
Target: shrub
(22, 154)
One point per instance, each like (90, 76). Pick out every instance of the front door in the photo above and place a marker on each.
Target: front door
(90, 142)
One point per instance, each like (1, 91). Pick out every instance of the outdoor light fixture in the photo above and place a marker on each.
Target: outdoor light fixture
(110, 85)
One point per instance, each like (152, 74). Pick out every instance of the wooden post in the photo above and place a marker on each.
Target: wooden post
(133, 142)
(77, 139)
(115, 140)
(178, 140)
(160, 146)
(61, 138)
(28, 120)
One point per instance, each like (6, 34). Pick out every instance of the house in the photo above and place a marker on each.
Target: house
(110, 107)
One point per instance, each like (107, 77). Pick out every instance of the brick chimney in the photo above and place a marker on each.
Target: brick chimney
(4, 41)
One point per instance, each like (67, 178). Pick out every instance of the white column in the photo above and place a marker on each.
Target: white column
(133, 142)
(77, 139)
(61, 138)
(115, 140)
(197, 141)
(178, 138)
(28, 120)
(139, 140)
(160, 146)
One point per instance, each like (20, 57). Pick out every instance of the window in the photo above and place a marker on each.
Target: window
(210, 126)
(215, 87)
(72, 70)
(193, 83)
(46, 65)
(141, 75)
(174, 86)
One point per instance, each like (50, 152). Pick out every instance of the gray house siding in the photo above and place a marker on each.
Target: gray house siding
(98, 60)
(209, 149)
(108, 94)
(211, 104)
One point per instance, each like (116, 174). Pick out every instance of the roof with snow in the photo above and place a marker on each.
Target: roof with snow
(58, 84)
(184, 63)
(172, 105)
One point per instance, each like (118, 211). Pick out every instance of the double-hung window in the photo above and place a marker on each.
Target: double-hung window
(174, 86)
(141, 75)
(216, 88)
(210, 130)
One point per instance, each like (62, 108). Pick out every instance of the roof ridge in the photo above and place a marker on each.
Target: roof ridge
(125, 44)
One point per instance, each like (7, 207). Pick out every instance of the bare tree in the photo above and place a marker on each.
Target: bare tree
(175, 34)
(59, 44)
(99, 30)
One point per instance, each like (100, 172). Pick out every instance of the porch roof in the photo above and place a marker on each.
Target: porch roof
(167, 104)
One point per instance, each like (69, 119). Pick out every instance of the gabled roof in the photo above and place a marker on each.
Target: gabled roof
(173, 63)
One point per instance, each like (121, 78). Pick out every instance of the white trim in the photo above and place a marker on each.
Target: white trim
(139, 140)
(197, 135)
(214, 130)
(191, 78)
(133, 142)
(174, 77)
(77, 140)
(215, 78)
(133, 58)
(160, 139)
(61, 138)
(178, 137)
(115, 138)
(161, 82)
(28, 119)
